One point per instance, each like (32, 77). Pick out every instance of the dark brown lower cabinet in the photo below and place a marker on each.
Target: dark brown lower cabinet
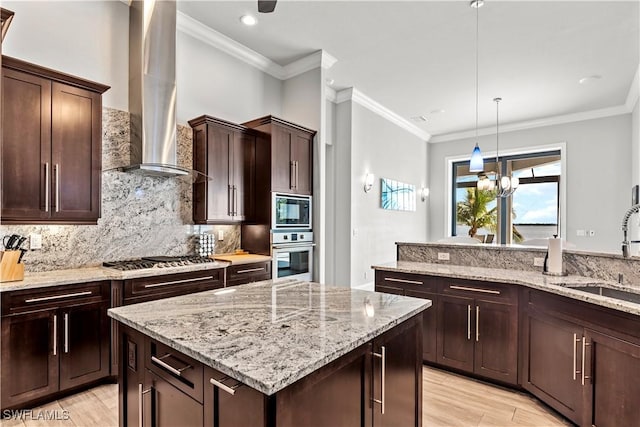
(612, 380)
(53, 340)
(496, 341)
(378, 384)
(455, 341)
(551, 359)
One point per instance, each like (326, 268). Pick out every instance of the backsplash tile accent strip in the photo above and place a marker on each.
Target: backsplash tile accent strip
(141, 215)
(598, 266)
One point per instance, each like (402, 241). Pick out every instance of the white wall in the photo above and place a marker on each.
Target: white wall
(635, 144)
(598, 175)
(365, 234)
(211, 82)
(86, 39)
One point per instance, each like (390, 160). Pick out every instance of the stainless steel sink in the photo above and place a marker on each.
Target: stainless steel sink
(609, 292)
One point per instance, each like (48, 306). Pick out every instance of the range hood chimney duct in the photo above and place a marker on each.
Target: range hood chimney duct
(152, 88)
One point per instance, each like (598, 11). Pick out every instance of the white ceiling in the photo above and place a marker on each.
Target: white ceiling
(417, 57)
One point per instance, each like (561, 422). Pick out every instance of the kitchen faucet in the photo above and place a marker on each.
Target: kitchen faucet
(625, 222)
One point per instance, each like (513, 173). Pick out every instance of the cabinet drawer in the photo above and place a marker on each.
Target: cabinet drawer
(246, 273)
(179, 370)
(480, 290)
(150, 288)
(405, 280)
(52, 297)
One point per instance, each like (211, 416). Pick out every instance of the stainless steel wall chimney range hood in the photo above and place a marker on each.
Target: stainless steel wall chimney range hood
(152, 88)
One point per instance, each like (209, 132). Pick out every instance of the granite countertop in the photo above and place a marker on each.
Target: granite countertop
(269, 335)
(559, 285)
(93, 274)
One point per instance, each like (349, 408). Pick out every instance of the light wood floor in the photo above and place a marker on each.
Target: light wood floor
(448, 400)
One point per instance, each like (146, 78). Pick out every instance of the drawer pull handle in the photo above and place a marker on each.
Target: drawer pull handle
(55, 334)
(55, 297)
(66, 332)
(165, 365)
(383, 358)
(219, 383)
(141, 393)
(250, 270)
(412, 282)
(585, 344)
(576, 340)
(175, 282)
(465, 288)
(57, 168)
(468, 322)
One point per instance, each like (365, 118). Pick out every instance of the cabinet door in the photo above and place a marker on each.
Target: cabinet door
(455, 342)
(301, 156)
(245, 407)
(168, 406)
(429, 330)
(551, 362)
(496, 336)
(219, 168)
(26, 146)
(244, 150)
(612, 381)
(76, 153)
(30, 349)
(397, 376)
(282, 167)
(85, 344)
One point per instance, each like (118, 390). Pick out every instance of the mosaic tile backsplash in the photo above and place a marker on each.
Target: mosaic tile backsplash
(141, 215)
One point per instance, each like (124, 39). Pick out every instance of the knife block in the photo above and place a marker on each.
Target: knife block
(10, 270)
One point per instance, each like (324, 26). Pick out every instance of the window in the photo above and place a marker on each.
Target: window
(533, 209)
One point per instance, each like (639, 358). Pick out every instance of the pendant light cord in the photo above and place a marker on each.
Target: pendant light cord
(497, 100)
(477, 55)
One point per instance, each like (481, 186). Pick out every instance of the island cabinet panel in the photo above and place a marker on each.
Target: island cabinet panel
(378, 384)
(53, 340)
(51, 146)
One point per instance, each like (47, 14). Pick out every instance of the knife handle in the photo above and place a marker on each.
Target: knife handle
(22, 252)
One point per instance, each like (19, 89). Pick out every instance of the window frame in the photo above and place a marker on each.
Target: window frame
(504, 204)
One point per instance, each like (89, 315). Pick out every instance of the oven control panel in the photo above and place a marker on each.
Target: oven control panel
(292, 237)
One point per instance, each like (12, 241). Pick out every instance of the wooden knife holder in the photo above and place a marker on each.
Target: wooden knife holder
(10, 270)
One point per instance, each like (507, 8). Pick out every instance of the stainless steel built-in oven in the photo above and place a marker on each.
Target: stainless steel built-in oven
(292, 255)
(290, 211)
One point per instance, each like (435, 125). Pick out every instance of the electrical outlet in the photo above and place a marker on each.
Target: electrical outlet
(538, 262)
(35, 241)
(581, 233)
(220, 234)
(443, 256)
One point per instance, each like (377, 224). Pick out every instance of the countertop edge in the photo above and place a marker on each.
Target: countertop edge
(269, 389)
(558, 285)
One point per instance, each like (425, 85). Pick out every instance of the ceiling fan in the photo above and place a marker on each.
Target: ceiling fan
(266, 6)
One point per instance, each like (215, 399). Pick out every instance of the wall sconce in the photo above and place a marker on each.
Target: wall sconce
(424, 193)
(368, 182)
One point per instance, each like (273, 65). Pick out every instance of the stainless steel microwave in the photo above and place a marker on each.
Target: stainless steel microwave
(290, 211)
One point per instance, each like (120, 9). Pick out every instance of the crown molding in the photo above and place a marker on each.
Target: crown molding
(634, 92)
(200, 31)
(352, 94)
(530, 124)
(331, 94)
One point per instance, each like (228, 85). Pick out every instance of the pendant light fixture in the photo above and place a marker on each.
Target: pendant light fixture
(477, 162)
(505, 184)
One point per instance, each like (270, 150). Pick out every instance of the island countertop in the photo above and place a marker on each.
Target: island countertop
(269, 335)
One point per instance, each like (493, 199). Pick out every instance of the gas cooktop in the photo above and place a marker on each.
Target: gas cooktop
(156, 262)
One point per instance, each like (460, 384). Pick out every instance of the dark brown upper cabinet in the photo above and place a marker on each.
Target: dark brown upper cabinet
(224, 154)
(51, 146)
(291, 154)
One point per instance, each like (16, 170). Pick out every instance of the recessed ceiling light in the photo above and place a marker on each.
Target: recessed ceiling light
(248, 20)
(419, 119)
(476, 4)
(438, 111)
(589, 79)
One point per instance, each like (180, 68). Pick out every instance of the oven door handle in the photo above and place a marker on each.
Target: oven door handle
(294, 245)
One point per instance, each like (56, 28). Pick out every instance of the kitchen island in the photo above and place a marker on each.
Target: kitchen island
(272, 354)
